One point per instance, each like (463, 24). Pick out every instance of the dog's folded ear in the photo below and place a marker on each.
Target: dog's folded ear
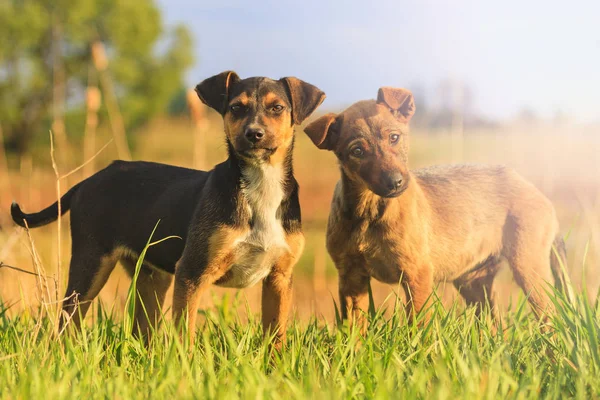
(214, 91)
(400, 101)
(305, 98)
(319, 131)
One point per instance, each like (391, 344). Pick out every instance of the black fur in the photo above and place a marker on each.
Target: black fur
(121, 204)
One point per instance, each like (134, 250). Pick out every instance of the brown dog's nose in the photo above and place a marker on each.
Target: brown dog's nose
(395, 181)
(254, 134)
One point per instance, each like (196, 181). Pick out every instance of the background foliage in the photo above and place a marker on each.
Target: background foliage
(46, 57)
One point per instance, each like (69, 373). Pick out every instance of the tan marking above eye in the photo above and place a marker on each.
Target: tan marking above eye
(242, 99)
(271, 98)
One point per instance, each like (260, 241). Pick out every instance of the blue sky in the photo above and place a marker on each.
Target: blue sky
(544, 55)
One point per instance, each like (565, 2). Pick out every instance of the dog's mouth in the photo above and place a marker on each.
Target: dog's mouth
(258, 152)
(395, 193)
(390, 194)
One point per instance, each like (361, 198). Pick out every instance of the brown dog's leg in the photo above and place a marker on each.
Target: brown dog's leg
(477, 287)
(152, 286)
(354, 289)
(418, 286)
(528, 241)
(88, 272)
(533, 275)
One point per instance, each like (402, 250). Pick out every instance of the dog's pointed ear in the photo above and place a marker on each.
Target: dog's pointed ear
(319, 131)
(400, 101)
(214, 91)
(305, 98)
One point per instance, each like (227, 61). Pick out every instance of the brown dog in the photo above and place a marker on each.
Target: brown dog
(448, 223)
(239, 223)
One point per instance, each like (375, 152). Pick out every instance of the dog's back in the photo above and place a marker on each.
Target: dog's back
(120, 206)
(129, 199)
(470, 205)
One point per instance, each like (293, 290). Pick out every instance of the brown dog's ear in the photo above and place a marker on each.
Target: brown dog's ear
(214, 91)
(305, 98)
(400, 101)
(318, 131)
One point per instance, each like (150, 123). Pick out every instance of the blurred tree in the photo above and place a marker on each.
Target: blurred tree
(45, 61)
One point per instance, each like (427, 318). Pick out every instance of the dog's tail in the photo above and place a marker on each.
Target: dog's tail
(558, 264)
(47, 215)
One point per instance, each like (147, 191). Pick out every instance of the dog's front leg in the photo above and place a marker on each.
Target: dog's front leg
(276, 301)
(418, 285)
(191, 281)
(277, 291)
(354, 289)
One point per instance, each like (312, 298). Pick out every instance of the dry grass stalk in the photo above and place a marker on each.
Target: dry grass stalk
(3, 265)
(5, 187)
(591, 211)
(59, 195)
(93, 100)
(59, 224)
(42, 278)
(26, 172)
(49, 307)
(88, 162)
(5, 183)
(58, 91)
(200, 122)
(114, 114)
(45, 297)
(319, 274)
(99, 56)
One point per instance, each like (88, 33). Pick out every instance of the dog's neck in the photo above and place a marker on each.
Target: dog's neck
(359, 202)
(263, 187)
(268, 181)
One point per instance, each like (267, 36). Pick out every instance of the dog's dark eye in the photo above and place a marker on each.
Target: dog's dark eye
(235, 108)
(394, 137)
(357, 152)
(277, 108)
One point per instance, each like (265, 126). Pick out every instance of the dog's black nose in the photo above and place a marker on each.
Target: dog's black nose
(395, 181)
(254, 134)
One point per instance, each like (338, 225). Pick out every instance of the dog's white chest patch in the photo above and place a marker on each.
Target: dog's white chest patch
(257, 251)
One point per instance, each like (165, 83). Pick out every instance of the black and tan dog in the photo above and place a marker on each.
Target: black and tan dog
(240, 222)
(448, 223)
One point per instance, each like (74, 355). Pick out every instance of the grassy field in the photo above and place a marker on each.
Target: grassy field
(453, 356)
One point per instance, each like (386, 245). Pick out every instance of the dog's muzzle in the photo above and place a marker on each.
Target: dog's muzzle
(257, 153)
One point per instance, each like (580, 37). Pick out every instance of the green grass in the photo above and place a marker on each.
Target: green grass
(453, 356)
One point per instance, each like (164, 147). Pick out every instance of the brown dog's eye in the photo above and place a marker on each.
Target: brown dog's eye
(277, 108)
(357, 152)
(394, 137)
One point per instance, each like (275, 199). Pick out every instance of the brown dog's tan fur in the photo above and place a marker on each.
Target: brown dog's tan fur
(448, 223)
